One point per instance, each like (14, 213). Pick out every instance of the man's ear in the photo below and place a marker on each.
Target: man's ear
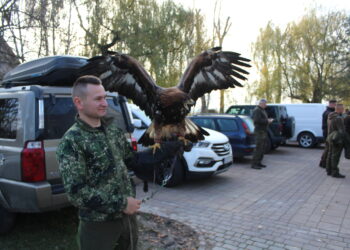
(78, 102)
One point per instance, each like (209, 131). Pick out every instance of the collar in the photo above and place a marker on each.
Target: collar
(105, 122)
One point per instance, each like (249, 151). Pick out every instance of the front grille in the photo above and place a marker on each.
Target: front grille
(221, 149)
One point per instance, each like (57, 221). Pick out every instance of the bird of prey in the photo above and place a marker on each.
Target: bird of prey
(168, 107)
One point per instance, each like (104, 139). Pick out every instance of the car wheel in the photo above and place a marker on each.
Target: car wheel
(7, 220)
(172, 172)
(306, 140)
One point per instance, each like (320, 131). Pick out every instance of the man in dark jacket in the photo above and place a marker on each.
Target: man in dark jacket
(93, 158)
(261, 122)
(329, 109)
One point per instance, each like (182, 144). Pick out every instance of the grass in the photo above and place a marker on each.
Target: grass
(51, 230)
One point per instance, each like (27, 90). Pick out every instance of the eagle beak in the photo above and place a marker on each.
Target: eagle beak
(188, 104)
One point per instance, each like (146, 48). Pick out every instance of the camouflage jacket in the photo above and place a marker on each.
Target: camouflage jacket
(92, 166)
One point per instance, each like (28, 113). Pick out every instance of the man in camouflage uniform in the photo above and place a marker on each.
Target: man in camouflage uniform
(336, 140)
(93, 157)
(330, 108)
(261, 123)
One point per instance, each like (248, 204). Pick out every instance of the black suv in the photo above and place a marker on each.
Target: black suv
(281, 129)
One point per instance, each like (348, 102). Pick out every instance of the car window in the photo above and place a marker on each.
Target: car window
(205, 123)
(59, 115)
(60, 112)
(271, 112)
(240, 111)
(283, 111)
(8, 118)
(249, 123)
(227, 125)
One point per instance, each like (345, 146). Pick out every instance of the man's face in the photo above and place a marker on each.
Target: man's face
(93, 104)
(332, 104)
(263, 105)
(340, 109)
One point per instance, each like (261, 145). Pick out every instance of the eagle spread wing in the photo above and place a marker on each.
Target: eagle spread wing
(211, 70)
(123, 74)
(168, 107)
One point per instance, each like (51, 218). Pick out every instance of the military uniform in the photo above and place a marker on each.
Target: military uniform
(335, 141)
(325, 126)
(261, 124)
(92, 165)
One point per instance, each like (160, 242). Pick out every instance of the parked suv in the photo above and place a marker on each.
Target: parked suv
(239, 129)
(32, 121)
(281, 129)
(211, 156)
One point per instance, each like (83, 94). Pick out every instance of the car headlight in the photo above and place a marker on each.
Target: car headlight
(201, 144)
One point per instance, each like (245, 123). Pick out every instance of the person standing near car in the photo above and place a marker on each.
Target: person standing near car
(261, 123)
(93, 157)
(336, 140)
(330, 108)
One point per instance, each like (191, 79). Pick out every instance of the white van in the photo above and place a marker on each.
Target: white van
(308, 123)
(211, 156)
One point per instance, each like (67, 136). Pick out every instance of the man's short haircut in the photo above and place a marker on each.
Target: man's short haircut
(262, 100)
(333, 101)
(79, 86)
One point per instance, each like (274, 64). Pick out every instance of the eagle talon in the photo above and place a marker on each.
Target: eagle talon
(154, 147)
(184, 140)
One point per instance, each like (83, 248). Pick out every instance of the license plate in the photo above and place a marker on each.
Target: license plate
(227, 159)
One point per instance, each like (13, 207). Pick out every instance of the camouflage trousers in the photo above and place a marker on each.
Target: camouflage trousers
(260, 141)
(120, 234)
(335, 142)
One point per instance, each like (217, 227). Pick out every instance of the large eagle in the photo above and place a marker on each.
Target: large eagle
(168, 107)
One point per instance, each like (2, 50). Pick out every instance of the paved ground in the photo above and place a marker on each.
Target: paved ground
(291, 204)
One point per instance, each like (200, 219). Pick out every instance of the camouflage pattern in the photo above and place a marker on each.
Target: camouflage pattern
(336, 145)
(95, 177)
(335, 141)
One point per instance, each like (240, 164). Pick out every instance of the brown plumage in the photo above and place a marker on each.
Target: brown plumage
(168, 107)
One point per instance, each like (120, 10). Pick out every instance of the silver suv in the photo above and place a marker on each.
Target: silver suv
(32, 120)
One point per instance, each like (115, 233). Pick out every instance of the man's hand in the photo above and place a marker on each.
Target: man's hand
(132, 206)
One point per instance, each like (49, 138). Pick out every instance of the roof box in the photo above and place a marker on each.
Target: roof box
(48, 71)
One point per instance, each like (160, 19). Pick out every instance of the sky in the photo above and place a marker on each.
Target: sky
(249, 16)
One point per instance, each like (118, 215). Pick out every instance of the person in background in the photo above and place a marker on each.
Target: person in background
(336, 140)
(261, 123)
(330, 108)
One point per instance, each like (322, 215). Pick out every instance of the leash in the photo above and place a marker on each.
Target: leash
(163, 183)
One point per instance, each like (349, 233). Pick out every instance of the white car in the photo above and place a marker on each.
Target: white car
(211, 156)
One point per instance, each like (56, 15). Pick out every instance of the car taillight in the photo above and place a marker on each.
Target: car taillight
(33, 161)
(246, 129)
(134, 144)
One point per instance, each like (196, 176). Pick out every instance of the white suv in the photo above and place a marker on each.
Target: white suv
(211, 156)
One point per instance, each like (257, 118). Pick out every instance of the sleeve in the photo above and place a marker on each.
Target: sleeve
(144, 163)
(72, 167)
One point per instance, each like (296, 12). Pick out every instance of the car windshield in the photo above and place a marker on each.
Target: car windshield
(240, 111)
(249, 123)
